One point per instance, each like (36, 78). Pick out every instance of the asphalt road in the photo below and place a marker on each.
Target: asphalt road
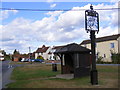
(6, 72)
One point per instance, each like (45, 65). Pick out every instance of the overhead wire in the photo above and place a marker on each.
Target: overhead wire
(56, 9)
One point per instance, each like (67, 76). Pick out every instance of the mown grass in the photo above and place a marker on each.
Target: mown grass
(38, 76)
(33, 71)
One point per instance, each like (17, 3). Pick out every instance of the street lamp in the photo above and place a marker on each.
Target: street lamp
(92, 26)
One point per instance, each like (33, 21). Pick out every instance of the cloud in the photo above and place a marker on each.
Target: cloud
(53, 5)
(6, 13)
(50, 1)
(58, 26)
(55, 13)
(114, 0)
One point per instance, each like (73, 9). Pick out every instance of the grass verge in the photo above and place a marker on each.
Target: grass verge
(38, 76)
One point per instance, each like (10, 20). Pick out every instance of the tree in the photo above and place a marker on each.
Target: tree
(16, 52)
(4, 53)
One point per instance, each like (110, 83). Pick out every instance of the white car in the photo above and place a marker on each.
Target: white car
(1, 58)
(23, 60)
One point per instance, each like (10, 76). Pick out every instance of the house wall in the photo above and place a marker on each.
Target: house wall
(46, 55)
(36, 55)
(53, 56)
(16, 59)
(104, 49)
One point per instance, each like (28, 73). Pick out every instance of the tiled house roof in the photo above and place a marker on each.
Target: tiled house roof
(102, 39)
(42, 50)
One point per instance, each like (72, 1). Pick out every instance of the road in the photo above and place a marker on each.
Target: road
(6, 72)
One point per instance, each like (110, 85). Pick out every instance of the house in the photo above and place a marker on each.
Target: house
(18, 57)
(43, 51)
(105, 46)
(1, 55)
(52, 55)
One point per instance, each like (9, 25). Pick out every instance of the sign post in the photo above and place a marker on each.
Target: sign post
(92, 26)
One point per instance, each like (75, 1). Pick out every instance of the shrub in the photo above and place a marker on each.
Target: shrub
(99, 60)
(40, 57)
(115, 58)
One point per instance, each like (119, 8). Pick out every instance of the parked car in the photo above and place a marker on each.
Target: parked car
(38, 60)
(2, 58)
(24, 60)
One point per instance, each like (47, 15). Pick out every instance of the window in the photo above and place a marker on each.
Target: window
(104, 55)
(111, 45)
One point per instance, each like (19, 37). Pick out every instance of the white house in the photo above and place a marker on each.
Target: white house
(105, 46)
(43, 51)
(52, 55)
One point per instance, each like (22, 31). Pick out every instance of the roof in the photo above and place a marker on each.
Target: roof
(16, 55)
(57, 47)
(102, 39)
(71, 48)
(42, 50)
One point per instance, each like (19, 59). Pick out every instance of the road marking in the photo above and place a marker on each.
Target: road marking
(9, 66)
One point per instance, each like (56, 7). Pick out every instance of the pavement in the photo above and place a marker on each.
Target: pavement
(65, 76)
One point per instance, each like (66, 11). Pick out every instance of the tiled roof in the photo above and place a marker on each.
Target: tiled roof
(102, 39)
(42, 50)
(57, 47)
(71, 48)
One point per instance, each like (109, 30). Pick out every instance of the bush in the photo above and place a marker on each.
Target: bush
(115, 58)
(40, 57)
(7, 57)
(99, 60)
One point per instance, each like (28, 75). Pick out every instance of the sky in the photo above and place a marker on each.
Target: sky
(23, 29)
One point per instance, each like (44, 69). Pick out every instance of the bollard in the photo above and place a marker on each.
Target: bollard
(54, 67)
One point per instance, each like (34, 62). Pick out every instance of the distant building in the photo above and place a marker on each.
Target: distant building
(105, 46)
(1, 55)
(19, 57)
(16, 57)
(52, 55)
(43, 51)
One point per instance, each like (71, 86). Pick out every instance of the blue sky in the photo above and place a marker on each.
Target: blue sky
(23, 29)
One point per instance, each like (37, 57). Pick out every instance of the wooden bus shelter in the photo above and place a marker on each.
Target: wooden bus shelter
(75, 59)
